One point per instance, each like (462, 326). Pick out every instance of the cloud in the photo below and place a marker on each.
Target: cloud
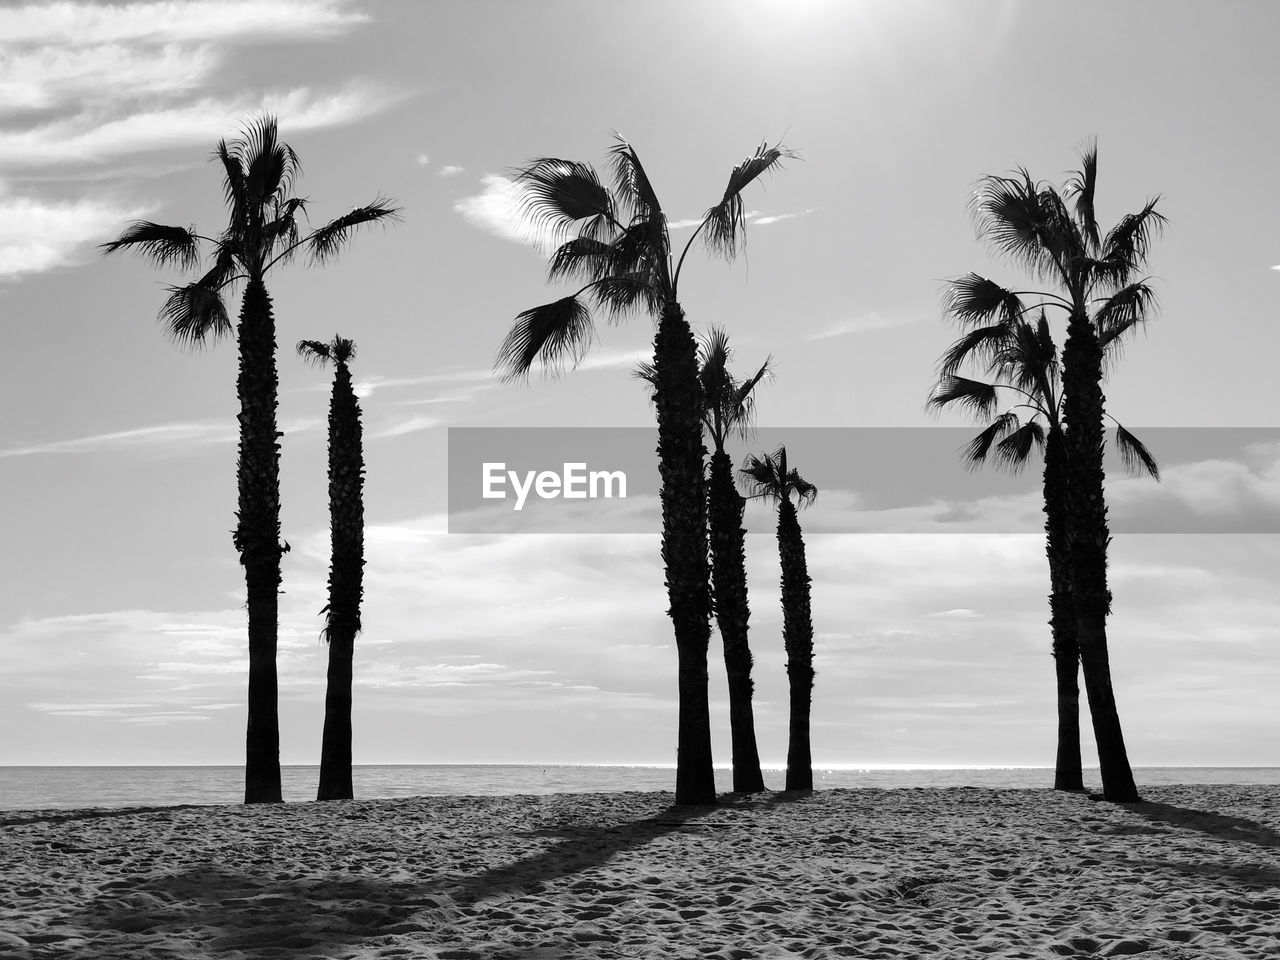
(171, 438)
(49, 77)
(496, 210)
(86, 138)
(450, 170)
(761, 221)
(423, 159)
(861, 324)
(158, 22)
(37, 235)
(408, 425)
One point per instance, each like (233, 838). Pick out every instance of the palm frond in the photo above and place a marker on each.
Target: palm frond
(1125, 248)
(234, 189)
(1007, 215)
(1014, 450)
(581, 257)
(975, 299)
(194, 314)
(985, 345)
(977, 397)
(631, 183)
(620, 295)
(805, 491)
(314, 352)
(726, 220)
(976, 450)
(1137, 459)
(555, 194)
(764, 476)
(270, 165)
(552, 332)
(326, 242)
(1124, 311)
(162, 245)
(1081, 188)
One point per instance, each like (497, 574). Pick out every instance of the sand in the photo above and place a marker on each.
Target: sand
(950, 873)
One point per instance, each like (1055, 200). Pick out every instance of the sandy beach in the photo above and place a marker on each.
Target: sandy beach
(1193, 872)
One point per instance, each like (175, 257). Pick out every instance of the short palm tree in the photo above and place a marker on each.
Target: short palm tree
(262, 230)
(346, 567)
(729, 408)
(771, 478)
(619, 247)
(1024, 362)
(1097, 284)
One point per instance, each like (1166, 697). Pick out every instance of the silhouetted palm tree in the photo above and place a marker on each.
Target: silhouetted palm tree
(262, 231)
(1024, 361)
(771, 478)
(622, 251)
(729, 407)
(346, 568)
(1056, 236)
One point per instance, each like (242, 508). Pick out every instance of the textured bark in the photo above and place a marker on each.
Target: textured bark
(729, 582)
(797, 638)
(1087, 540)
(257, 537)
(681, 464)
(346, 583)
(1062, 623)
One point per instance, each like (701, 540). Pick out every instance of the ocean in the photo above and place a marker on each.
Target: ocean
(35, 788)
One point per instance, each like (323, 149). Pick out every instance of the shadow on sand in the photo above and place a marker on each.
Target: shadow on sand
(1233, 829)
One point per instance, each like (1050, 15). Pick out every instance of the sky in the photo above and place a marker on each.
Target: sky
(122, 628)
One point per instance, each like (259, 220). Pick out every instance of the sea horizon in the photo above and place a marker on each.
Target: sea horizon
(78, 786)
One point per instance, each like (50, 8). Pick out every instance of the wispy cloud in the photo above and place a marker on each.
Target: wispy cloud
(496, 210)
(157, 22)
(86, 138)
(423, 159)
(37, 235)
(754, 217)
(174, 438)
(412, 424)
(860, 324)
(449, 170)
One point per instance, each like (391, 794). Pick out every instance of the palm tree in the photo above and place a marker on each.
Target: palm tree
(621, 249)
(346, 568)
(1055, 235)
(728, 408)
(771, 478)
(1024, 361)
(262, 230)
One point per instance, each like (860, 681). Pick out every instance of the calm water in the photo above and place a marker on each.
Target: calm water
(65, 787)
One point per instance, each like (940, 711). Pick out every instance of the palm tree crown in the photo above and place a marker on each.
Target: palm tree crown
(621, 251)
(263, 229)
(771, 479)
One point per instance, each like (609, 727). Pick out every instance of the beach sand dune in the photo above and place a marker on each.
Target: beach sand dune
(950, 873)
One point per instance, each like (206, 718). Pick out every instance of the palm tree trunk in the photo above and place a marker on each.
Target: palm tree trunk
(797, 638)
(257, 537)
(1087, 540)
(729, 582)
(681, 465)
(346, 583)
(1062, 625)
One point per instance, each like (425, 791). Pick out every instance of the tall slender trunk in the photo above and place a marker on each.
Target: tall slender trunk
(257, 537)
(797, 638)
(729, 580)
(681, 464)
(1067, 773)
(346, 583)
(1087, 540)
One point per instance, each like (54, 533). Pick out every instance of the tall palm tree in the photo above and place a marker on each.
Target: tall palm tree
(771, 478)
(262, 230)
(1097, 284)
(1024, 362)
(728, 409)
(346, 568)
(619, 246)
